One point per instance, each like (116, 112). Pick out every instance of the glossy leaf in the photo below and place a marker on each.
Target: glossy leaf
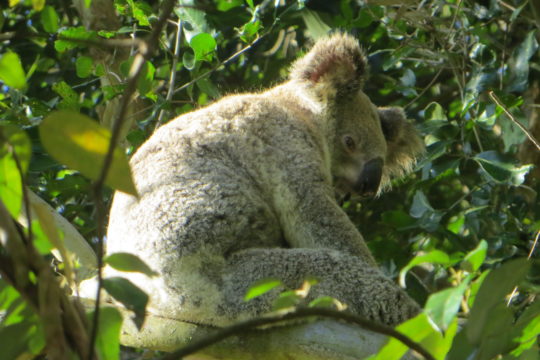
(475, 258)
(261, 287)
(11, 71)
(500, 170)
(80, 143)
(128, 262)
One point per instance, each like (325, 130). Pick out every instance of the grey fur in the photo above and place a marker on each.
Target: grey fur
(244, 189)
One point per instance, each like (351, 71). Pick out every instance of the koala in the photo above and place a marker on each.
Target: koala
(245, 189)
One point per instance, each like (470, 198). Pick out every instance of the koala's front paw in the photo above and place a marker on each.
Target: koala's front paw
(391, 306)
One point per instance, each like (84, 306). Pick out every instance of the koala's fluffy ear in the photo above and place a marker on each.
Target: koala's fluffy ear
(404, 144)
(335, 63)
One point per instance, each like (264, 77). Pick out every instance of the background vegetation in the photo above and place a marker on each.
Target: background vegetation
(460, 232)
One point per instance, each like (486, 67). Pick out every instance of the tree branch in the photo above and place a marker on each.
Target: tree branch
(297, 314)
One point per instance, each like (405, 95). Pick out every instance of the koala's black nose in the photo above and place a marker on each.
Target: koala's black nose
(370, 178)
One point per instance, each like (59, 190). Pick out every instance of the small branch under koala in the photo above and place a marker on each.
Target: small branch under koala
(298, 314)
(511, 117)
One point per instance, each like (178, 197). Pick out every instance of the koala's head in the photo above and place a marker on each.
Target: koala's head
(369, 145)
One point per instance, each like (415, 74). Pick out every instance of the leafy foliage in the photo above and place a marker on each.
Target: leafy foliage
(455, 232)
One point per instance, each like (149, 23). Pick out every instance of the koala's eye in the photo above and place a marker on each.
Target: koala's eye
(349, 143)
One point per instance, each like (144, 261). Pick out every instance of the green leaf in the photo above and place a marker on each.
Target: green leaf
(11, 71)
(519, 67)
(444, 305)
(13, 140)
(145, 80)
(203, 46)
(434, 112)
(80, 143)
(285, 300)
(140, 11)
(250, 3)
(15, 339)
(49, 19)
(209, 88)
(492, 292)
(475, 258)
(17, 140)
(83, 66)
(261, 287)
(421, 330)
(226, 5)
(496, 334)
(433, 257)
(527, 329)
(500, 170)
(108, 336)
(75, 33)
(324, 302)
(38, 5)
(128, 262)
(129, 295)
(70, 99)
(188, 59)
(315, 26)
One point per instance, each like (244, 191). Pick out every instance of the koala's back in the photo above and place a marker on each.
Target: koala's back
(206, 189)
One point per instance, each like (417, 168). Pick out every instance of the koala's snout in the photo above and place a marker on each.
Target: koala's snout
(370, 178)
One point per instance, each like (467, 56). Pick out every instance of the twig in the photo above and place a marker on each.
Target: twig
(146, 48)
(225, 62)
(425, 89)
(299, 313)
(511, 117)
(172, 80)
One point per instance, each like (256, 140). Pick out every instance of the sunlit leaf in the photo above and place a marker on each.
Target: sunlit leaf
(444, 305)
(128, 262)
(475, 258)
(527, 329)
(38, 4)
(15, 152)
(261, 287)
(80, 143)
(316, 27)
(108, 336)
(203, 46)
(11, 71)
(129, 295)
(433, 257)
(418, 329)
(73, 37)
